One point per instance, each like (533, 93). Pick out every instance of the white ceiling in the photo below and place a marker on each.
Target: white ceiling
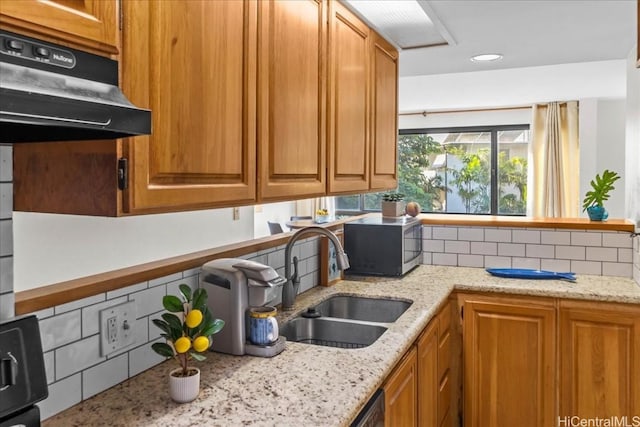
(527, 32)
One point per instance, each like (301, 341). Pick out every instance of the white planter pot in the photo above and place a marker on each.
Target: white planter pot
(184, 389)
(392, 209)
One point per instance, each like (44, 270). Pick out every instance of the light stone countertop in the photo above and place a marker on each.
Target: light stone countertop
(314, 385)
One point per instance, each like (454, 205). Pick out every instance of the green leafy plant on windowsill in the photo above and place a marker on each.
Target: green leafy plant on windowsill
(594, 199)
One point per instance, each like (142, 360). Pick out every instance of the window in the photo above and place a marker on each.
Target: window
(451, 170)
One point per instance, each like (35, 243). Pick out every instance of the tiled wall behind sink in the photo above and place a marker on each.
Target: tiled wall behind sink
(606, 253)
(70, 332)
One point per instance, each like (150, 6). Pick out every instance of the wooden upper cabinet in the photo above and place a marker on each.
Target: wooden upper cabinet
(509, 361)
(599, 360)
(89, 24)
(400, 393)
(348, 112)
(291, 99)
(384, 117)
(193, 64)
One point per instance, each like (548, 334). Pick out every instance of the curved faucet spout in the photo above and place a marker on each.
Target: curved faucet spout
(290, 289)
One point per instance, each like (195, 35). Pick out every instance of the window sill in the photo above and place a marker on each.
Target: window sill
(527, 222)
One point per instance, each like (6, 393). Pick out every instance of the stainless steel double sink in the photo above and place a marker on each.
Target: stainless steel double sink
(344, 321)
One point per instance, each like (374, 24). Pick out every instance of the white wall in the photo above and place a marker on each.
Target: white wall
(52, 248)
(633, 139)
(274, 212)
(602, 146)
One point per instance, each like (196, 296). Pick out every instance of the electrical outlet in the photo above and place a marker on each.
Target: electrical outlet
(112, 330)
(236, 214)
(116, 327)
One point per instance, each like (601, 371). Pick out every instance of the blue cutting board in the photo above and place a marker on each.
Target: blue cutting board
(526, 273)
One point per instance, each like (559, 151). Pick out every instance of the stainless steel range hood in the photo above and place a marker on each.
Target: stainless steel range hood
(54, 93)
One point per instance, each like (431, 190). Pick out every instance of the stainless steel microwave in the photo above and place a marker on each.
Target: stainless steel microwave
(383, 246)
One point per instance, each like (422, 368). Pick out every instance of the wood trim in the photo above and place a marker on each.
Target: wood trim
(71, 290)
(519, 221)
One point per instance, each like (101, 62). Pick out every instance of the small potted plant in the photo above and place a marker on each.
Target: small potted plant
(322, 216)
(188, 333)
(593, 201)
(392, 204)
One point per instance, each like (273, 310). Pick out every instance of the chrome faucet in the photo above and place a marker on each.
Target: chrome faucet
(290, 289)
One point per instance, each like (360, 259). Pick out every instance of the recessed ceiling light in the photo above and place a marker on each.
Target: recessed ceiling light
(486, 57)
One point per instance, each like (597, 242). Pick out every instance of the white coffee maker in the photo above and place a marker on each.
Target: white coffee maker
(233, 286)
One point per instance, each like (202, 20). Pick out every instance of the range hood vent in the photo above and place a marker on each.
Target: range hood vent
(54, 93)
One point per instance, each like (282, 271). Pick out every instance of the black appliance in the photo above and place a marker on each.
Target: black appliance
(23, 380)
(383, 246)
(50, 92)
(372, 415)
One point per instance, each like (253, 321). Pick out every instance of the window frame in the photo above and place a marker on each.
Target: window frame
(492, 129)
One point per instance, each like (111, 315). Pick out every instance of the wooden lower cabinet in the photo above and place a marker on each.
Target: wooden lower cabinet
(599, 360)
(509, 361)
(400, 393)
(420, 391)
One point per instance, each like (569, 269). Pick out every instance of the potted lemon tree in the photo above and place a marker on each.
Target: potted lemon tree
(594, 199)
(187, 327)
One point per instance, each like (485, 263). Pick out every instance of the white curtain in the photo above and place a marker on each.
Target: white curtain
(309, 206)
(554, 172)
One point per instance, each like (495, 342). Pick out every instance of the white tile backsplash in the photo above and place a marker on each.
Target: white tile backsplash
(104, 375)
(602, 254)
(62, 395)
(497, 262)
(555, 237)
(570, 252)
(60, 330)
(126, 291)
(540, 251)
(533, 263)
(143, 358)
(165, 279)
(91, 315)
(559, 265)
(525, 236)
(470, 260)
(445, 233)
(625, 255)
(6, 237)
(49, 366)
(497, 235)
(74, 305)
(445, 259)
(6, 200)
(6, 274)
(586, 267)
(484, 248)
(148, 301)
(617, 269)
(456, 247)
(475, 234)
(511, 249)
(433, 245)
(617, 240)
(585, 238)
(77, 356)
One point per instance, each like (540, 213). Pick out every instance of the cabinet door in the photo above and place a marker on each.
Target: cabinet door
(400, 393)
(84, 23)
(599, 360)
(509, 362)
(428, 381)
(291, 99)
(348, 118)
(193, 64)
(384, 135)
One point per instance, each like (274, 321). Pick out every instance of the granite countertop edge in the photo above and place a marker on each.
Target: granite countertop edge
(316, 385)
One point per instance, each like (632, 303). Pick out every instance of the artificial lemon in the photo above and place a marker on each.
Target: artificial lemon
(201, 344)
(194, 318)
(182, 344)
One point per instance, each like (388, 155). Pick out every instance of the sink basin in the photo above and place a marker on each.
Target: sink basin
(331, 332)
(361, 308)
